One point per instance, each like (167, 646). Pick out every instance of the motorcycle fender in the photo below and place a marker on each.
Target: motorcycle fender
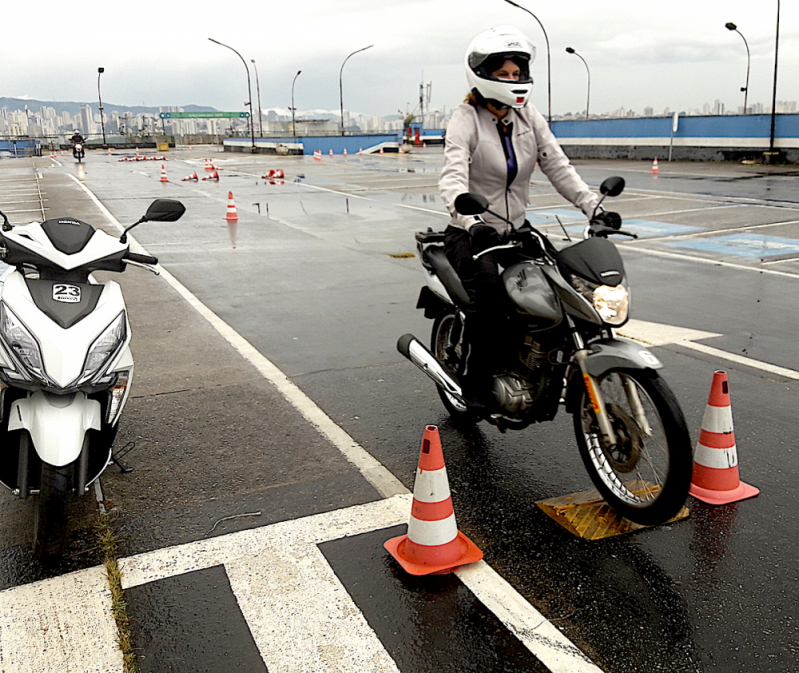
(57, 424)
(619, 353)
(433, 303)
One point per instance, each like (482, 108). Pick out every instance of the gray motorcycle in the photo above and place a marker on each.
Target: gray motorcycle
(563, 308)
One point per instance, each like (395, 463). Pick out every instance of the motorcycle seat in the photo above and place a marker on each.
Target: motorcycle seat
(446, 274)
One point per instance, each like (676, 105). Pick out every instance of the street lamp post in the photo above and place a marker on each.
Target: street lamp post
(774, 92)
(549, 63)
(588, 97)
(293, 124)
(249, 89)
(100, 71)
(745, 89)
(341, 87)
(258, 88)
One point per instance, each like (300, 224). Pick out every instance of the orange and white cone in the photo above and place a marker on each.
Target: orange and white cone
(193, 176)
(231, 208)
(715, 478)
(381, 150)
(331, 151)
(163, 174)
(208, 165)
(213, 176)
(345, 151)
(655, 166)
(317, 155)
(400, 149)
(360, 151)
(433, 545)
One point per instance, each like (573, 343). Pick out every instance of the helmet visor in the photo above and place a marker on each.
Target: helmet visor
(485, 65)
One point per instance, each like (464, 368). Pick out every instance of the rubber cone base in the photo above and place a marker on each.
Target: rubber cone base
(712, 497)
(419, 559)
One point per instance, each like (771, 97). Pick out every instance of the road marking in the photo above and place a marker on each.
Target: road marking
(657, 334)
(291, 598)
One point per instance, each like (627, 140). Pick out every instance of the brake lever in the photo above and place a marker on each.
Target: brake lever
(150, 268)
(506, 246)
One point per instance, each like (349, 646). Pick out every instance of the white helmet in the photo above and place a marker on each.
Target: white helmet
(486, 54)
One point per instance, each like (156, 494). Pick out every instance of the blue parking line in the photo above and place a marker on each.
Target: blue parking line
(743, 245)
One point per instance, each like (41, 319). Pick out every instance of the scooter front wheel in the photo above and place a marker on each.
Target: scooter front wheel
(51, 512)
(646, 474)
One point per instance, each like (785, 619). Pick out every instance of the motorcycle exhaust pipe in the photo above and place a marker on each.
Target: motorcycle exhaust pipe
(413, 349)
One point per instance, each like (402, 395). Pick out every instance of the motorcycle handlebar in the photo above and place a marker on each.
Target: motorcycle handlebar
(141, 259)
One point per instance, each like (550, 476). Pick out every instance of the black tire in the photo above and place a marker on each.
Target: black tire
(51, 512)
(450, 356)
(627, 475)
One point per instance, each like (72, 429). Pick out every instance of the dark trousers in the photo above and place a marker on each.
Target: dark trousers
(486, 318)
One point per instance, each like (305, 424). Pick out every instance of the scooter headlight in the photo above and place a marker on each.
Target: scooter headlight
(612, 303)
(22, 345)
(104, 349)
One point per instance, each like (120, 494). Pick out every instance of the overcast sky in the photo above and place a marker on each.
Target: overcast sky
(660, 53)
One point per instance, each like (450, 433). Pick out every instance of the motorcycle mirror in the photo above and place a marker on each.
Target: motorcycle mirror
(164, 210)
(470, 203)
(612, 186)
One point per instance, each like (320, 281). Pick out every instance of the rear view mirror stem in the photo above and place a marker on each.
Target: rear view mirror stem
(124, 237)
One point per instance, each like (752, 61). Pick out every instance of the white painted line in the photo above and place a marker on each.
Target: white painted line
(424, 210)
(708, 260)
(537, 634)
(60, 624)
(713, 232)
(657, 334)
(781, 261)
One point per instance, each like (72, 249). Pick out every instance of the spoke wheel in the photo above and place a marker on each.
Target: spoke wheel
(645, 476)
(450, 355)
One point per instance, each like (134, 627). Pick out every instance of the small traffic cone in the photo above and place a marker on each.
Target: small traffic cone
(317, 155)
(331, 151)
(137, 151)
(424, 145)
(655, 166)
(193, 176)
(163, 174)
(109, 151)
(213, 176)
(400, 149)
(231, 208)
(381, 150)
(433, 545)
(715, 478)
(208, 165)
(360, 151)
(345, 151)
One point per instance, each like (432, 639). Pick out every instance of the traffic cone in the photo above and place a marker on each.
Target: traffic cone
(163, 174)
(345, 151)
(317, 155)
(213, 176)
(433, 545)
(109, 151)
(400, 149)
(331, 151)
(381, 150)
(715, 478)
(231, 208)
(193, 176)
(208, 165)
(360, 151)
(655, 166)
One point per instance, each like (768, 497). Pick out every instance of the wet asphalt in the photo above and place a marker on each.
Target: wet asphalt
(314, 288)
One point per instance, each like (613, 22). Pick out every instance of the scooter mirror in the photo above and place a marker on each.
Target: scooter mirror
(470, 203)
(164, 210)
(612, 186)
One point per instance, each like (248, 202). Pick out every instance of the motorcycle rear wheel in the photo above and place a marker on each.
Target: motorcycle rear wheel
(450, 356)
(51, 512)
(646, 476)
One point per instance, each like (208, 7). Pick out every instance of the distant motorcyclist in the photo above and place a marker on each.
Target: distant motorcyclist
(492, 145)
(78, 145)
(77, 138)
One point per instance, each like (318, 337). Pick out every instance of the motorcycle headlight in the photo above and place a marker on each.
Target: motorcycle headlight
(22, 346)
(612, 303)
(103, 350)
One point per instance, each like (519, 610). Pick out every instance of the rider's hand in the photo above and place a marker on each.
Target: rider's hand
(609, 219)
(484, 236)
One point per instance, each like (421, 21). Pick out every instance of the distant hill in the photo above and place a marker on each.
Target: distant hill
(74, 108)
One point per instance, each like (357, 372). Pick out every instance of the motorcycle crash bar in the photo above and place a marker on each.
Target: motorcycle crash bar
(413, 349)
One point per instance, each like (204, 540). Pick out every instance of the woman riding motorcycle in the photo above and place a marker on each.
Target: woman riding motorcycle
(493, 143)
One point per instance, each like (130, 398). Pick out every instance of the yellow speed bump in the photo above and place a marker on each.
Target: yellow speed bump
(588, 516)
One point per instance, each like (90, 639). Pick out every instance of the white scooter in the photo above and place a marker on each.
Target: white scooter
(65, 361)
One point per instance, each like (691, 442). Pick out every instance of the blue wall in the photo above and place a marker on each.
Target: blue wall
(22, 147)
(749, 126)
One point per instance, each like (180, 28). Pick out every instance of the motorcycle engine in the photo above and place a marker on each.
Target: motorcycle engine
(518, 390)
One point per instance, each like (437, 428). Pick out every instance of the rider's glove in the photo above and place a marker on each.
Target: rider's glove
(608, 218)
(484, 236)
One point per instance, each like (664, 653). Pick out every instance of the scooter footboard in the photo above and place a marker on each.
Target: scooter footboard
(57, 424)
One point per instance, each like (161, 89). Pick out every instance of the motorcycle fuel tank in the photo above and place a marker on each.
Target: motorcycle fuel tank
(529, 290)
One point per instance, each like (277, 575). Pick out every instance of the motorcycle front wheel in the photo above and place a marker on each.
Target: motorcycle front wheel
(645, 476)
(449, 352)
(51, 512)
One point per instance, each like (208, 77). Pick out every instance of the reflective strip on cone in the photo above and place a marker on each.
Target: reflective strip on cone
(431, 486)
(717, 419)
(433, 533)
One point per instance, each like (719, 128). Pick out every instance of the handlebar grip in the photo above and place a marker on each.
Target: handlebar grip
(141, 259)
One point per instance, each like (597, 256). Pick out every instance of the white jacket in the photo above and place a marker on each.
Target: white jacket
(474, 161)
